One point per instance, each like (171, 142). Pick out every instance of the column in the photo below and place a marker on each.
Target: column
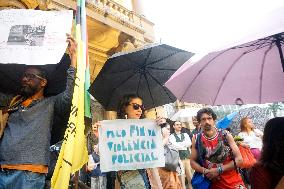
(137, 6)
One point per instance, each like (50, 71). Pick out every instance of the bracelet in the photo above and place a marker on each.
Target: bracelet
(203, 171)
(220, 169)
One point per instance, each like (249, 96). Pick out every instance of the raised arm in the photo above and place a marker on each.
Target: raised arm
(64, 99)
(72, 50)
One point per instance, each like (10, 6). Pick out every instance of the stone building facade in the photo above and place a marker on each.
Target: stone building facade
(113, 26)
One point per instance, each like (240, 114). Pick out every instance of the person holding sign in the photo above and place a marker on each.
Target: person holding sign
(24, 146)
(130, 107)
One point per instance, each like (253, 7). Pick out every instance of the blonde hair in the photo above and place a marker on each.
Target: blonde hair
(243, 124)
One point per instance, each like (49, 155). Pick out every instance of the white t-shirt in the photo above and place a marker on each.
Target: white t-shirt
(186, 143)
(252, 139)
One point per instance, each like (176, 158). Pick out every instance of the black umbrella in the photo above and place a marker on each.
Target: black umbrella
(10, 82)
(10, 75)
(143, 71)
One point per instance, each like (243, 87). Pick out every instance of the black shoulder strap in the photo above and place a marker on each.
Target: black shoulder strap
(223, 135)
(198, 147)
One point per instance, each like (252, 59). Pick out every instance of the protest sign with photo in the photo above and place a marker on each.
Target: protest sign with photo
(130, 144)
(35, 37)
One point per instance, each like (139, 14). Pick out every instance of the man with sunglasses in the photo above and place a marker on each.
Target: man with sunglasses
(24, 146)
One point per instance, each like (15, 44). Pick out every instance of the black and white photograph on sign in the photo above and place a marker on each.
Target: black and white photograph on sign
(26, 35)
(36, 37)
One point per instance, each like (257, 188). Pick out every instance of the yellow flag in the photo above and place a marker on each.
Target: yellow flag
(73, 154)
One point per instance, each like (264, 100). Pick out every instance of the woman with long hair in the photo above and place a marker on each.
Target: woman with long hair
(131, 107)
(252, 137)
(267, 173)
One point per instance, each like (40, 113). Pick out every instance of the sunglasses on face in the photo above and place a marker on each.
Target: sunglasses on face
(30, 76)
(137, 106)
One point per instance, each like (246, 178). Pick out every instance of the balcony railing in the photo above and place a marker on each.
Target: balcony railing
(116, 11)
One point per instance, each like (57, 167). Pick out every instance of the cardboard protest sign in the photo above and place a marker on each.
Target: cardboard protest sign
(130, 144)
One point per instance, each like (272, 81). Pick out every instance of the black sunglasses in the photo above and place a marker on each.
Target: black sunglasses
(137, 106)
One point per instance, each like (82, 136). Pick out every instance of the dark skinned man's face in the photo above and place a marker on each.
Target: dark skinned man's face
(207, 122)
(31, 82)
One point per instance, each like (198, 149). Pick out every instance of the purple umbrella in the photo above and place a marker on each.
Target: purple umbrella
(251, 73)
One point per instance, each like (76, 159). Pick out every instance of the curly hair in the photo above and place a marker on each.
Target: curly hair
(272, 154)
(124, 102)
(208, 111)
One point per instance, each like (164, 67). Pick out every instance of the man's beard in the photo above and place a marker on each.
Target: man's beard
(27, 91)
(207, 127)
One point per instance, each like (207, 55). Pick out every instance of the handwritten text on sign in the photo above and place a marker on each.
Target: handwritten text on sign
(130, 144)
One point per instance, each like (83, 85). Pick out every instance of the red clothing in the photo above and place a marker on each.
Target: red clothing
(210, 146)
(262, 178)
(229, 179)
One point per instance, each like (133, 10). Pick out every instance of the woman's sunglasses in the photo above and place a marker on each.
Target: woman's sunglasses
(137, 106)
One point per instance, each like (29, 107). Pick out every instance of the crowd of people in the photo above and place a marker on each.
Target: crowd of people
(206, 150)
(215, 154)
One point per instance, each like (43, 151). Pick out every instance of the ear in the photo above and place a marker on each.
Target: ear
(43, 82)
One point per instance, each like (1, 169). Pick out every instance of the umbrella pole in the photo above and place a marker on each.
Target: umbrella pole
(278, 44)
(156, 113)
(150, 93)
